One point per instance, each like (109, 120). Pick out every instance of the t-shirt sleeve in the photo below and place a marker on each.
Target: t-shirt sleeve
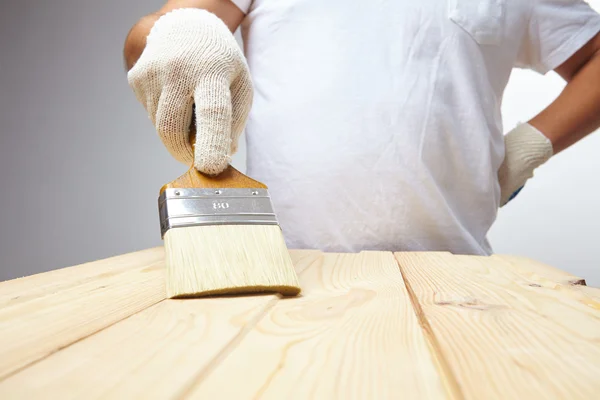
(557, 29)
(243, 5)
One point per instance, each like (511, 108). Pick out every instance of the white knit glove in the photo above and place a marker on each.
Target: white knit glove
(191, 58)
(526, 148)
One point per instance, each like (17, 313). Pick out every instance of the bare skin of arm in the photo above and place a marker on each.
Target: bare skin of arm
(136, 39)
(576, 111)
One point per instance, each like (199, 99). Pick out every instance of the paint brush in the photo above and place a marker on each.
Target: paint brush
(221, 236)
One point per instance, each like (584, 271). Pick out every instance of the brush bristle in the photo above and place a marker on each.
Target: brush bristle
(228, 259)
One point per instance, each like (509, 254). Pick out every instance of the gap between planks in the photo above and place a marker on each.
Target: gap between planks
(52, 316)
(446, 373)
(507, 331)
(45, 294)
(449, 377)
(237, 339)
(354, 331)
(227, 349)
(58, 371)
(353, 335)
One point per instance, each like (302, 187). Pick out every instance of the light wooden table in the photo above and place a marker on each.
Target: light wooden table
(368, 326)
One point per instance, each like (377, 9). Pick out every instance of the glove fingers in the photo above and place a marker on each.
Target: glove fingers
(172, 120)
(213, 126)
(241, 94)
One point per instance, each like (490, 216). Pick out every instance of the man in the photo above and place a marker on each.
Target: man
(376, 125)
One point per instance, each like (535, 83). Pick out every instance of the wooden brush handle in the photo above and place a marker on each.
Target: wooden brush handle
(230, 178)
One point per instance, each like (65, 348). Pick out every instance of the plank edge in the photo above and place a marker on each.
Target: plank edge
(569, 279)
(447, 376)
(42, 357)
(229, 348)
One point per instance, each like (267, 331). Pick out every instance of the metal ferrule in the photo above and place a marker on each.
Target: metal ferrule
(192, 207)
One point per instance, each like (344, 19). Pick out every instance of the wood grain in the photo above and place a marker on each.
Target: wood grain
(155, 354)
(503, 334)
(591, 295)
(529, 267)
(574, 286)
(351, 335)
(59, 312)
(36, 286)
(494, 327)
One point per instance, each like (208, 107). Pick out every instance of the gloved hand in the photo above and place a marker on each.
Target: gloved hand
(192, 59)
(526, 148)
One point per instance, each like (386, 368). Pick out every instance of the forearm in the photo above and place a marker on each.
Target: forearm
(576, 111)
(136, 39)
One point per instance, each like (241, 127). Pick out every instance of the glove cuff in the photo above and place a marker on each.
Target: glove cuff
(528, 145)
(526, 148)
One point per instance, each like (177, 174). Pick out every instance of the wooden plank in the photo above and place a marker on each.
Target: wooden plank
(506, 336)
(353, 334)
(538, 271)
(591, 295)
(35, 286)
(529, 267)
(60, 312)
(302, 259)
(157, 353)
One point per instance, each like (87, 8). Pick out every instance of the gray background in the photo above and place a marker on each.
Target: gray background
(81, 165)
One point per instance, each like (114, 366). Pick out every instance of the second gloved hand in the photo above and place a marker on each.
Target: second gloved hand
(192, 59)
(526, 148)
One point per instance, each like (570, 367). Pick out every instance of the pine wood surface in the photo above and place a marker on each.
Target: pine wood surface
(507, 333)
(366, 326)
(54, 313)
(352, 335)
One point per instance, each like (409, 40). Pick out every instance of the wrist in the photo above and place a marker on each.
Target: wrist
(135, 43)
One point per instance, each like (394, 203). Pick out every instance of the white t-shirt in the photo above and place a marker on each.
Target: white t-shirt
(376, 124)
